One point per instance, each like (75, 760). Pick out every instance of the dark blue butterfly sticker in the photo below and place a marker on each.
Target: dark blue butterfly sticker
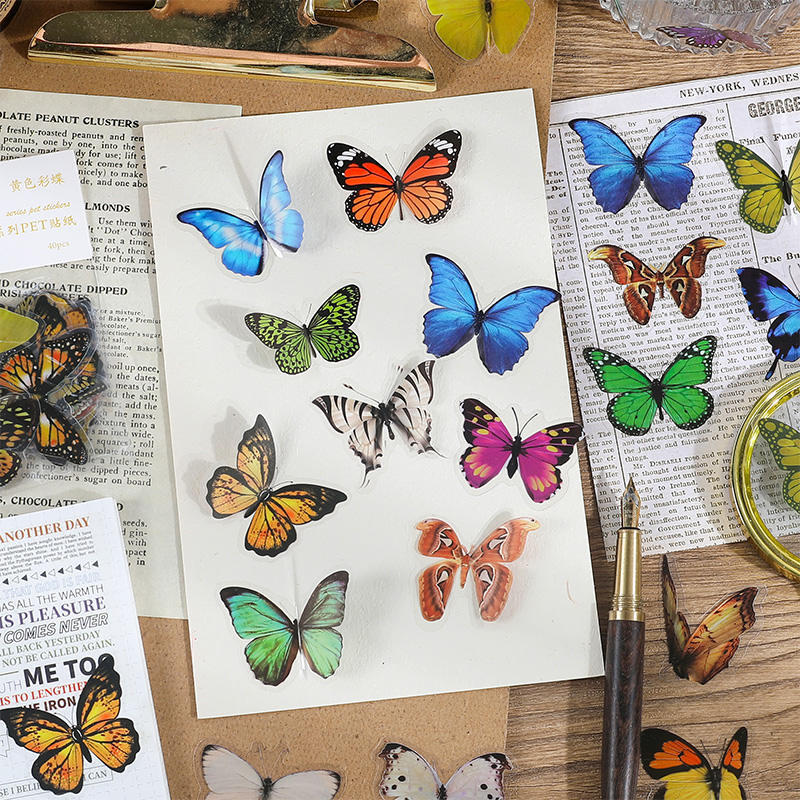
(619, 172)
(245, 245)
(498, 329)
(769, 298)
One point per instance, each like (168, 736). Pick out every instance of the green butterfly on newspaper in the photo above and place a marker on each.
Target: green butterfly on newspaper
(638, 398)
(276, 639)
(328, 333)
(784, 443)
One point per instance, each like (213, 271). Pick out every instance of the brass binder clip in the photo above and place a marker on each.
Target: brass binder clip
(280, 38)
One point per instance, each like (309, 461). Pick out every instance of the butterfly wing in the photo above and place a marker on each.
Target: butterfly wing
(480, 778)
(321, 643)
(15, 329)
(617, 177)
(373, 191)
(500, 341)
(59, 767)
(732, 765)
(696, 36)
(408, 407)
(639, 279)
(784, 443)
(686, 771)
(290, 341)
(329, 328)
(793, 176)
(770, 298)
(762, 203)
(241, 241)
(687, 405)
(18, 419)
(316, 784)
(682, 272)
(463, 26)
(507, 22)
(274, 644)
(407, 775)
(361, 423)
(634, 410)
(492, 578)
(448, 328)
(59, 437)
(541, 455)
(490, 443)
(283, 225)
(422, 188)
(666, 177)
(229, 777)
(272, 527)
(675, 623)
(438, 540)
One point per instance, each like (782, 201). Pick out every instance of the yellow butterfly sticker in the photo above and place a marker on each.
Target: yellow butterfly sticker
(467, 27)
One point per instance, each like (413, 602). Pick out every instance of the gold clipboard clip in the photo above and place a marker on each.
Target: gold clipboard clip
(278, 38)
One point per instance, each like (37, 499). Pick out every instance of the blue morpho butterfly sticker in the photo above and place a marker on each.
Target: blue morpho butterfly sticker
(770, 298)
(498, 329)
(245, 245)
(662, 167)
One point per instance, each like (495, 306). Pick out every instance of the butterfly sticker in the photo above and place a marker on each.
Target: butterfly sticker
(769, 298)
(37, 374)
(662, 167)
(276, 639)
(374, 191)
(765, 191)
(498, 329)
(687, 773)
(701, 655)
(246, 245)
(405, 411)
(18, 415)
(641, 281)
(784, 444)
(468, 27)
(274, 511)
(492, 447)
(328, 333)
(487, 562)
(638, 398)
(408, 776)
(229, 777)
(62, 749)
(711, 38)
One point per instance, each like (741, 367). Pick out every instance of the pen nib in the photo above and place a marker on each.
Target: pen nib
(630, 506)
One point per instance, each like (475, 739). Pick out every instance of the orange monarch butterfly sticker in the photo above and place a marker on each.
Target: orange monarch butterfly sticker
(687, 773)
(701, 655)
(62, 749)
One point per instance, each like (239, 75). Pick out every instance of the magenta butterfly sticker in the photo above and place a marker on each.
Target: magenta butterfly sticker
(492, 447)
(711, 38)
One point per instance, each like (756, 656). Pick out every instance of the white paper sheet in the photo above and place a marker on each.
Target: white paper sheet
(220, 378)
(682, 476)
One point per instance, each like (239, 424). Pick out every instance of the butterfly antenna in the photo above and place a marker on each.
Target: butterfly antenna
(527, 422)
(365, 396)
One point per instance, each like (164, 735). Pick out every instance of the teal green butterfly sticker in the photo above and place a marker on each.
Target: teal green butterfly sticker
(784, 443)
(639, 398)
(328, 333)
(276, 639)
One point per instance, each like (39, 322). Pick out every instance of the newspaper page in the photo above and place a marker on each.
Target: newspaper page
(130, 456)
(681, 475)
(70, 648)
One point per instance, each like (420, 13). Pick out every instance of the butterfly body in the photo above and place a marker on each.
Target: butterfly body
(374, 192)
(498, 329)
(662, 167)
(687, 772)
(641, 281)
(63, 748)
(246, 243)
(404, 412)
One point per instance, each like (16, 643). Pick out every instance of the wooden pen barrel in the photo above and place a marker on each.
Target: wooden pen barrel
(622, 712)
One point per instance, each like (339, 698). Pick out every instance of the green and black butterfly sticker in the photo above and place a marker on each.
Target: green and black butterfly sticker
(638, 397)
(328, 333)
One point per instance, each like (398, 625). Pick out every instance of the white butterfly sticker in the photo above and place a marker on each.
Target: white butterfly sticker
(232, 778)
(408, 776)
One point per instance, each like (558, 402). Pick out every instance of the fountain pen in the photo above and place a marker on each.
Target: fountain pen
(622, 711)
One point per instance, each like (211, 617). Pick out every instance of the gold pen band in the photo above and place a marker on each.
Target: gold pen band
(627, 600)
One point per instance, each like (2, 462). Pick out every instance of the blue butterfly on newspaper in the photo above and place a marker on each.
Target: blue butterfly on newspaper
(619, 171)
(246, 244)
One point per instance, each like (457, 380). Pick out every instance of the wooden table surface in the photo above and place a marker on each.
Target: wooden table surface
(554, 730)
